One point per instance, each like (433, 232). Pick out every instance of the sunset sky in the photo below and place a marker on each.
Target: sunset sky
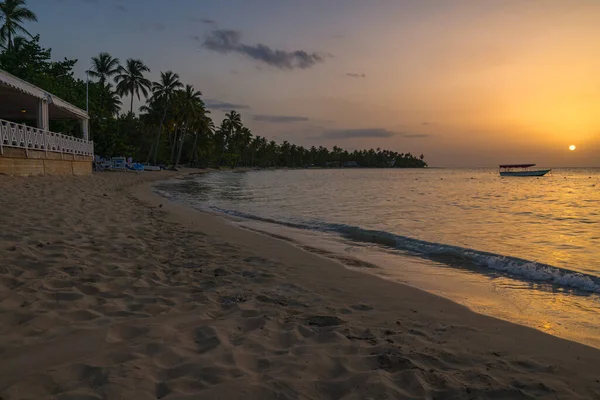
(467, 83)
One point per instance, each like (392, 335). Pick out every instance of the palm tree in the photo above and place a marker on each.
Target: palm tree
(18, 43)
(233, 120)
(163, 92)
(190, 103)
(113, 102)
(205, 127)
(190, 110)
(130, 80)
(272, 150)
(104, 66)
(221, 139)
(14, 13)
(231, 123)
(151, 117)
(245, 138)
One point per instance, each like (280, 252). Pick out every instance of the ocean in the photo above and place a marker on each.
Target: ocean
(526, 250)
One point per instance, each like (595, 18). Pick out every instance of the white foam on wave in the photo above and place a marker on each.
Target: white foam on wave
(539, 272)
(515, 267)
(162, 193)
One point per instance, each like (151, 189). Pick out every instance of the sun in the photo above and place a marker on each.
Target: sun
(572, 147)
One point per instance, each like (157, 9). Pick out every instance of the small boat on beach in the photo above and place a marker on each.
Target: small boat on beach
(521, 170)
(151, 167)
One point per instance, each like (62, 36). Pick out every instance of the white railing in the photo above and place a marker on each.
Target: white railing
(26, 137)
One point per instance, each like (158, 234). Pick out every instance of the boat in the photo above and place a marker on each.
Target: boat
(521, 170)
(151, 167)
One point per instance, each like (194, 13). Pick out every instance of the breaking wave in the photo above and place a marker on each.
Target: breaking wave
(454, 256)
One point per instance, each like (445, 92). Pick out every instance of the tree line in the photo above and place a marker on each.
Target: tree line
(173, 126)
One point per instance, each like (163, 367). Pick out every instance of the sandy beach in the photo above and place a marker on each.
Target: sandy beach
(108, 291)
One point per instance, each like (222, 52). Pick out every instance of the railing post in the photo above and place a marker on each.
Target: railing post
(25, 142)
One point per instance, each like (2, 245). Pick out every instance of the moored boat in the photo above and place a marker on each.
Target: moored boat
(521, 170)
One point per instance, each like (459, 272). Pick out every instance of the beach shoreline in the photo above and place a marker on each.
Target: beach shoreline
(109, 291)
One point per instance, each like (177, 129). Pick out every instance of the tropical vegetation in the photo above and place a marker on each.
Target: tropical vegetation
(173, 126)
(13, 14)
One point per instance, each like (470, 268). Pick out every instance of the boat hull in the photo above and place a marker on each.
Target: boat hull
(540, 172)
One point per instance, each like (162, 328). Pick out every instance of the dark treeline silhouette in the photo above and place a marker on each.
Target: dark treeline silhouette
(173, 127)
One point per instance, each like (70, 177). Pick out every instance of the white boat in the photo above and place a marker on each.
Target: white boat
(521, 170)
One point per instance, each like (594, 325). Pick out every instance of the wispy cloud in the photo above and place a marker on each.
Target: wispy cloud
(121, 7)
(358, 133)
(152, 26)
(353, 75)
(368, 133)
(201, 20)
(282, 119)
(222, 105)
(226, 41)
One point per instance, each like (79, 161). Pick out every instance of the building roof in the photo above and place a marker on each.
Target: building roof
(63, 110)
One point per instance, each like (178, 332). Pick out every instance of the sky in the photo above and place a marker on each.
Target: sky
(467, 83)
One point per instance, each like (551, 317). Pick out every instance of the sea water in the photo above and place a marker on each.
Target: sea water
(522, 249)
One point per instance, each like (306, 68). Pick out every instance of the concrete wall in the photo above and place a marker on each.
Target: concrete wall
(21, 162)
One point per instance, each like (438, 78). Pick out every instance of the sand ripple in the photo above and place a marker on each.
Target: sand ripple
(103, 297)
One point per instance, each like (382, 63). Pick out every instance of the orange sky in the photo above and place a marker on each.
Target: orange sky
(468, 83)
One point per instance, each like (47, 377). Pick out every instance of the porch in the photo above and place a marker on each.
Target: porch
(27, 146)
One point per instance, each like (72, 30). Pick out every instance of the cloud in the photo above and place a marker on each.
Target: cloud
(226, 41)
(201, 20)
(356, 75)
(81, 1)
(121, 8)
(368, 133)
(358, 133)
(152, 26)
(283, 119)
(221, 105)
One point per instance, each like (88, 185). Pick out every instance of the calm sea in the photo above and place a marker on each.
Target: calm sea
(522, 249)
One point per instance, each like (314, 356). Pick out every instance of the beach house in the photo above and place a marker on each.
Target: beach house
(27, 146)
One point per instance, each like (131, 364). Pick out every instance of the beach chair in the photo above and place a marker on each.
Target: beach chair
(118, 164)
(137, 167)
(97, 162)
(102, 164)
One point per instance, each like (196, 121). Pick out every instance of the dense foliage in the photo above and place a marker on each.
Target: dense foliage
(173, 127)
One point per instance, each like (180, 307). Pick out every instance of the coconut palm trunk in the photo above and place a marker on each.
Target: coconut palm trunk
(181, 140)
(163, 92)
(150, 152)
(222, 155)
(174, 145)
(159, 134)
(195, 148)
